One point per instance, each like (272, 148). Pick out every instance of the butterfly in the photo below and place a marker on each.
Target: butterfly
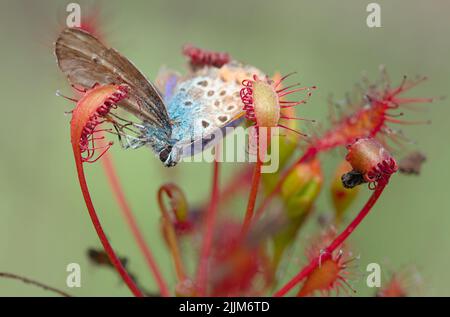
(180, 118)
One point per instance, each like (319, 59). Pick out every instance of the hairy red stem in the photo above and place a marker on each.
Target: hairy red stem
(132, 223)
(371, 121)
(326, 253)
(211, 214)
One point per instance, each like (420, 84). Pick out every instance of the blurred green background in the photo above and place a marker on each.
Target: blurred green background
(44, 224)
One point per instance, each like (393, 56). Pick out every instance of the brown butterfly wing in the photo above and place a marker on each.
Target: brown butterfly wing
(86, 62)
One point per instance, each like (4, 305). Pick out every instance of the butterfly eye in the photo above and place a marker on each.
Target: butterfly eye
(165, 153)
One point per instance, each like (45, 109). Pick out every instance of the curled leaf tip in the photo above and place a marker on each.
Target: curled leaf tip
(90, 112)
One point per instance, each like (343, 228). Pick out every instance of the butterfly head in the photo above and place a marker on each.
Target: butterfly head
(167, 156)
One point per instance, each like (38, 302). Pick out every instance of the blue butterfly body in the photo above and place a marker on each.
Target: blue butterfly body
(190, 109)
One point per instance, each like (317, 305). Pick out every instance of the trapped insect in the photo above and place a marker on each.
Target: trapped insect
(177, 120)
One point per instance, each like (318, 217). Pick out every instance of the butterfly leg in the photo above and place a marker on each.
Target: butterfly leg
(128, 132)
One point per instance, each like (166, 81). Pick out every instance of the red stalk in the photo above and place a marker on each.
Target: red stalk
(254, 188)
(132, 223)
(211, 214)
(239, 181)
(327, 252)
(310, 153)
(252, 196)
(98, 227)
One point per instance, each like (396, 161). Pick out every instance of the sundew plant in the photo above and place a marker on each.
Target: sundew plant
(286, 183)
(114, 105)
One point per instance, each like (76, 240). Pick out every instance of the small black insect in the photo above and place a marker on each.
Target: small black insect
(352, 179)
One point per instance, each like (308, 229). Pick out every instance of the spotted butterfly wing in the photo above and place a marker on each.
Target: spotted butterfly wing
(205, 102)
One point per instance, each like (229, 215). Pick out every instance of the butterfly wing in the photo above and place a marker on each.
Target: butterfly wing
(86, 62)
(166, 80)
(207, 102)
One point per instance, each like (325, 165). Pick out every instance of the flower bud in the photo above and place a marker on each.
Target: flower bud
(288, 144)
(341, 196)
(299, 192)
(301, 187)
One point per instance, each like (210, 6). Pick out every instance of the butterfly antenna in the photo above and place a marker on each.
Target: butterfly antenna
(59, 94)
